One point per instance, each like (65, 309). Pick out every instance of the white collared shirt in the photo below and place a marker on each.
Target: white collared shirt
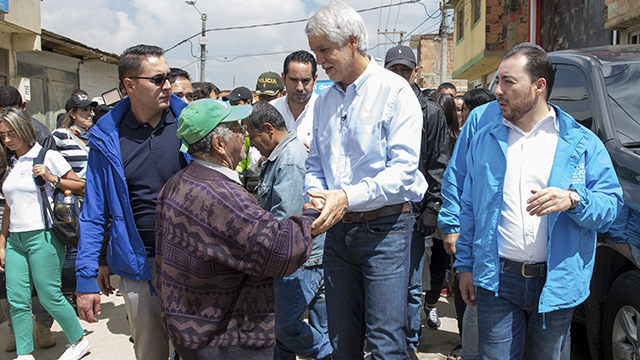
(230, 173)
(522, 237)
(366, 141)
(303, 125)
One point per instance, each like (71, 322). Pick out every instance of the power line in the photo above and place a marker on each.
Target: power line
(235, 57)
(282, 23)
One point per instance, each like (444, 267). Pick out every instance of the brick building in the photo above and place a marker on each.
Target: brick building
(623, 16)
(428, 48)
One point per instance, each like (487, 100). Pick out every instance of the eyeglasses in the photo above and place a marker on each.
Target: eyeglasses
(158, 80)
(9, 134)
(242, 129)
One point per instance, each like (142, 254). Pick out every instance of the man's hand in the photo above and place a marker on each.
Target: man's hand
(333, 204)
(450, 241)
(88, 303)
(467, 290)
(547, 201)
(104, 280)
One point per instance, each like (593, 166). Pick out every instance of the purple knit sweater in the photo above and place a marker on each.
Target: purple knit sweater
(216, 254)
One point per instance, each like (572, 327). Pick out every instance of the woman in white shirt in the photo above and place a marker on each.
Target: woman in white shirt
(71, 139)
(31, 255)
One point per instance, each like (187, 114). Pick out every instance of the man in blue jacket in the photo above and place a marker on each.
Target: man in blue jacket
(539, 186)
(134, 151)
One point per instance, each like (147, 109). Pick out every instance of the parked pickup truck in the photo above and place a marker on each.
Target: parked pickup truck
(600, 88)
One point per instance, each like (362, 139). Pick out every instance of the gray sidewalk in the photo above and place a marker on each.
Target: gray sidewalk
(109, 337)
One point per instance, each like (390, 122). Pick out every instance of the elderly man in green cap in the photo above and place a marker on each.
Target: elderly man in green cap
(217, 251)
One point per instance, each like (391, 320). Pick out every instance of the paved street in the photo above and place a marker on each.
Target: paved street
(110, 335)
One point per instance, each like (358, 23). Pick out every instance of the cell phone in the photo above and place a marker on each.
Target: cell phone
(111, 97)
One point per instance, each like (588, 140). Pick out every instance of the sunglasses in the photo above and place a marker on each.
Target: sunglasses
(158, 80)
(9, 134)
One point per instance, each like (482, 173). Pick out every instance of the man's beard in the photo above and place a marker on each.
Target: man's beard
(517, 109)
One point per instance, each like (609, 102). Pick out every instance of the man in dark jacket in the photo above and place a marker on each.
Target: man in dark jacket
(435, 152)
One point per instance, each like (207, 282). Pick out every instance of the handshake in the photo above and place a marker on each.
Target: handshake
(332, 204)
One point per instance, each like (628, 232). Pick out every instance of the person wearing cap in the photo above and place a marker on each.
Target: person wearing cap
(239, 96)
(362, 171)
(300, 75)
(72, 138)
(269, 86)
(435, 152)
(217, 251)
(134, 151)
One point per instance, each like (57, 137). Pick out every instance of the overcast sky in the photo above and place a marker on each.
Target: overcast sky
(114, 25)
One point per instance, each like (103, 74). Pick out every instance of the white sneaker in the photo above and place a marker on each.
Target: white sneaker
(76, 350)
(25, 357)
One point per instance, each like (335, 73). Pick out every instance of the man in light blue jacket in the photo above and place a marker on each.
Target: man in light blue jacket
(539, 186)
(280, 191)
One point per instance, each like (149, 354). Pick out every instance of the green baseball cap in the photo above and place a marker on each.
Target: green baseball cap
(201, 116)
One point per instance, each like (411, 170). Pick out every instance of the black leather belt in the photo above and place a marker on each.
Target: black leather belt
(356, 217)
(527, 270)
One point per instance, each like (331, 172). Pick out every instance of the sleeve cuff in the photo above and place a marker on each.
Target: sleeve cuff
(450, 229)
(464, 269)
(356, 195)
(87, 285)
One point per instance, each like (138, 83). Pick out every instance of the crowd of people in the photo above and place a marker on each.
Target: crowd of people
(354, 183)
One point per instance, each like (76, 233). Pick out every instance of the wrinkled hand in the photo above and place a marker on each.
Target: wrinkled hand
(547, 201)
(104, 280)
(450, 241)
(427, 222)
(467, 290)
(88, 303)
(333, 204)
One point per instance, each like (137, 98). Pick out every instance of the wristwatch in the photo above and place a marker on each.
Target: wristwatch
(575, 199)
(57, 183)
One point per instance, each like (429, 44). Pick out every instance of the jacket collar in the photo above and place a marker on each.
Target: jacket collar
(281, 145)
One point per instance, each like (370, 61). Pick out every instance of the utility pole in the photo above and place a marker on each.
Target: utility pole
(385, 33)
(443, 44)
(203, 46)
(203, 37)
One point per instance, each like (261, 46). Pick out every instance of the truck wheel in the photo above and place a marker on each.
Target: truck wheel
(622, 318)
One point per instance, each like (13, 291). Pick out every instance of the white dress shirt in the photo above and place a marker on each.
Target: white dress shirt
(522, 237)
(303, 125)
(366, 141)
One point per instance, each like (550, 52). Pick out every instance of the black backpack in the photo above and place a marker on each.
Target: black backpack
(67, 234)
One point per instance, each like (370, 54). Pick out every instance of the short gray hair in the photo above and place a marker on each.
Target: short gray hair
(203, 146)
(338, 21)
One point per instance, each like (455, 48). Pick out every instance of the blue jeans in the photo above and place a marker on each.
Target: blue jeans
(470, 334)
(293, 294)
(366, 268)
(511, 326)
(414, 303)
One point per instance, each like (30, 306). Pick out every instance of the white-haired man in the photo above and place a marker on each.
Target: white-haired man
(362, 172)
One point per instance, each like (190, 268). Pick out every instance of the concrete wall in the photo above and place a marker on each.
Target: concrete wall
(96, 77)
(24, 14)
(53, 77)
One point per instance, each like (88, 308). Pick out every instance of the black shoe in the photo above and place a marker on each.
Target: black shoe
(433, 321)
(412, 355)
